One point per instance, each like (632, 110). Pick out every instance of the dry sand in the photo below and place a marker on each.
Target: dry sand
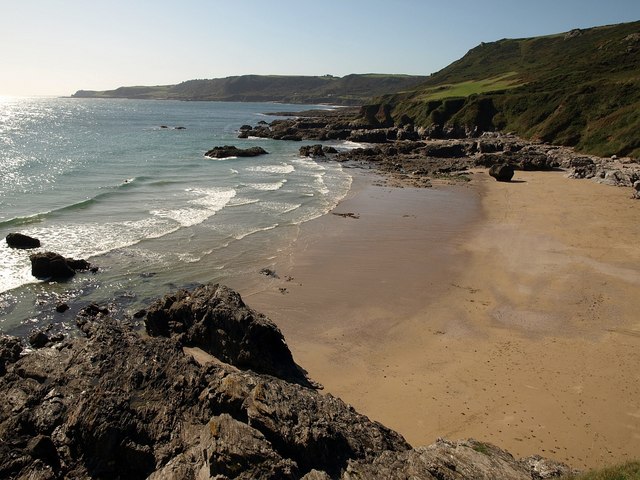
(507, 312)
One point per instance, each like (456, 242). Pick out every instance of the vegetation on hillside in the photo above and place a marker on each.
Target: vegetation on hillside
(579, 89)
(627, 471)
(348, 90)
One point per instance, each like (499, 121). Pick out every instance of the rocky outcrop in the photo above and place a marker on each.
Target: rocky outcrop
(215, 319)
(462, 460)
(53, 266)
(233, 151)
(312, 151)
(114, 404)
(19, 240)
(502, 172)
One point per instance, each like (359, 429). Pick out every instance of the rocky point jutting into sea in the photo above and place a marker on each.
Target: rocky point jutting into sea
(211, 392)
(413, 154)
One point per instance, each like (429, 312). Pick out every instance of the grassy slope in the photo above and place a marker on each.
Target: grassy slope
(627, 471)
(573, 89)
(351, 89)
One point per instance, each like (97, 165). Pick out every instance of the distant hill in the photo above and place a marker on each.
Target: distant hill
(348, 90)
(580, 88)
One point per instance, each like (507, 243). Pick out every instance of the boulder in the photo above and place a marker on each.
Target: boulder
(18, 240)
(534, 161)
(53, 266)
(378, 135)
(581, 167)
(215, 319)
(233, 151)
(636, 189)
(50, 265)
(38, 338)
(446, 150)
(312, 151)
(10, 350)
(502, 172)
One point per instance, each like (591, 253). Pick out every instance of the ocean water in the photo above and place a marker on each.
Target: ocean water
(101, 180)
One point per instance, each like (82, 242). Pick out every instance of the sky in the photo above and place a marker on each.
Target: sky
(56, 47)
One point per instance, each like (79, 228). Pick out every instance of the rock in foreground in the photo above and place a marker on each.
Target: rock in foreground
(53, 266)
(114, 404)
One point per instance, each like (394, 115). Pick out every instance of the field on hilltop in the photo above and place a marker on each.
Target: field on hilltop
(580, 88)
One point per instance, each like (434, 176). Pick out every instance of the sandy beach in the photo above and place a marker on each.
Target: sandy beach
(506, 312)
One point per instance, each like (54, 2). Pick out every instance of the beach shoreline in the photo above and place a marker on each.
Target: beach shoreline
(499, 311)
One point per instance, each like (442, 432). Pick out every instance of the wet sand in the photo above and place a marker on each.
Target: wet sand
(503, 312)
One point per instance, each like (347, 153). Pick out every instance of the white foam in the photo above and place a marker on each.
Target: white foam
(280, 207)
(239, 201)
(267, 186)
(206, 204)
(240, 236)
(309, 164)
(319, 183)
(282, 169)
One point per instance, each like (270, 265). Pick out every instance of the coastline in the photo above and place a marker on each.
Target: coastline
(505, 313)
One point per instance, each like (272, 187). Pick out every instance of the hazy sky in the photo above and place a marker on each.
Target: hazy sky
(55, 47)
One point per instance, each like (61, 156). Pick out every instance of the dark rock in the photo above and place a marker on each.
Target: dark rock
(533, 161)
(448, 150)
(53, 266)
(140, 313)
(179, 128)
(78, 265)
(232, 151)
(215, 319)
(10, 349)
(312, 151)
(267, 272)
(62, 307)
(407, 134)
(245, 127)
(43, 448)
(164, 126)
(502, 172)
(292, 137)
(38, 338)
(18, 240)
(490, 147)
(369, 136)
(50, 265)
(94, 310)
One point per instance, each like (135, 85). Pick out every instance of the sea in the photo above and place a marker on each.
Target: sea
(114, 182)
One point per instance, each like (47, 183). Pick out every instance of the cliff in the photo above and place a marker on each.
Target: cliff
(579, 89)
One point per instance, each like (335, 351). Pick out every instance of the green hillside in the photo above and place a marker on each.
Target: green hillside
(348, 90)
(580, 88)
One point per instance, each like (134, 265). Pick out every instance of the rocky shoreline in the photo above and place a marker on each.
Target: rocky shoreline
(414, 155)
(211, 391)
